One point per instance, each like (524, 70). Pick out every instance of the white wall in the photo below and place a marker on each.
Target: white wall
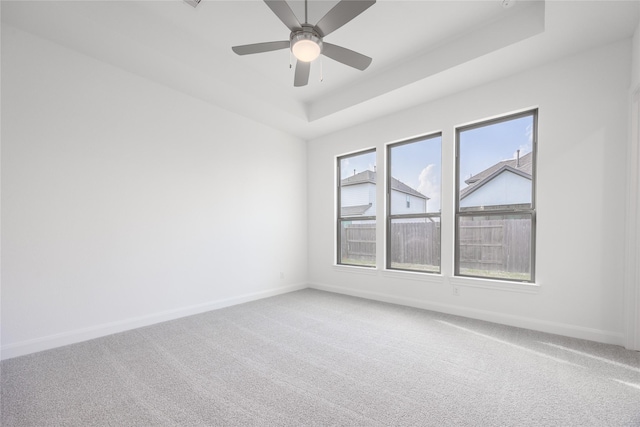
(583, 113)
(632, 224)
(635, 58)
(125, 203)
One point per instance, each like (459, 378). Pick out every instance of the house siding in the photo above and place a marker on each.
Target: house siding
(507, 188)
(359, 194)
(399, 203)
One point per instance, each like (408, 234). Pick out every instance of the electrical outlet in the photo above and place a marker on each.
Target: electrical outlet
(456, 291)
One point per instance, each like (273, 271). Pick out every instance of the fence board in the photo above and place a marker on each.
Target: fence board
(496, 244)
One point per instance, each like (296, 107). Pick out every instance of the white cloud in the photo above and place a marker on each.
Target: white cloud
(527, 146)
(429, 185)
(344, 168)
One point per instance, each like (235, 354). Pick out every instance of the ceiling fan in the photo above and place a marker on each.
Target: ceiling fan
(306, 40)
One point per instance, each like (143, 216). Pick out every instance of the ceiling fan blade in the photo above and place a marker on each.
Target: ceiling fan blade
(342, 13)
(346, 56)
(248, 49)
(284, 12)
(302, 73)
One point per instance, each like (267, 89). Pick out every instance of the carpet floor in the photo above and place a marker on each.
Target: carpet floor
(313, 358)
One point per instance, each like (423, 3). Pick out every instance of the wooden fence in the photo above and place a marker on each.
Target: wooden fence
(358, 244)
(415, 245)
(497, 245)
(412, 243)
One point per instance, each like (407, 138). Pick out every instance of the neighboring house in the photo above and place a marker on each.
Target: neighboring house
(358, 196)
(504, 184)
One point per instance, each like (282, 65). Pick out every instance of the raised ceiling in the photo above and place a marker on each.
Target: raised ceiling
(421, 50)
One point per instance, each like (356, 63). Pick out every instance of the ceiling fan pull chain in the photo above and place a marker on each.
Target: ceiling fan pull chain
(321, 78)
(290, 61)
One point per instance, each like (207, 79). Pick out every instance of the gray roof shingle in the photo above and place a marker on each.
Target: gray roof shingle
(354, 210)
(370, 176)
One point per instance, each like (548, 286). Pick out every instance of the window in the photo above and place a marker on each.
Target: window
(495, 203)
(357, 209)
(413, 227)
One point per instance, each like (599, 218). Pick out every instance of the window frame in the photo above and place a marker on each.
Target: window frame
(390, 217)
(340, 219)
(470, 212)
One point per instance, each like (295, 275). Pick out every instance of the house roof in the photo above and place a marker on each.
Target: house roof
(521, 167)
(370, 176)
(354, 210)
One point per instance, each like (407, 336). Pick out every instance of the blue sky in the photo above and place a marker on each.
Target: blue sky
(357, 163)
(419, 164)
(483, 147)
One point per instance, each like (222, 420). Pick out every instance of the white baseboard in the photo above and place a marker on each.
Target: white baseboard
(71, 337)
(607, 337)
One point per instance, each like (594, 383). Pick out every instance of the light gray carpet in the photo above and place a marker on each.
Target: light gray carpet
(312, 358)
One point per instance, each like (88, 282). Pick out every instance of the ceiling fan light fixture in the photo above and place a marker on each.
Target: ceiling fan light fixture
(305, 40)
(306, 46)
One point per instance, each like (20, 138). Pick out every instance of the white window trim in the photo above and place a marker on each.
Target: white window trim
(502, 285)
(356, 269)
(536, 113)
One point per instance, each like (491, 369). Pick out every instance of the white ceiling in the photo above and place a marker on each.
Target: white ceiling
(421, 49)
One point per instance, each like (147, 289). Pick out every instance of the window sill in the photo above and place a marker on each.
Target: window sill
(355, 269)
(472, 282)
(439, 279)
(435, 278)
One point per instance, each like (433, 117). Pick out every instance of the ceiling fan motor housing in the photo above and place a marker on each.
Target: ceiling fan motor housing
(306, 44)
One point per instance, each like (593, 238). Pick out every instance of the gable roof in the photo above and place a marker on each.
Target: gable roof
(370, 176)
(522, 167)
(354, 210)
(359, 178)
